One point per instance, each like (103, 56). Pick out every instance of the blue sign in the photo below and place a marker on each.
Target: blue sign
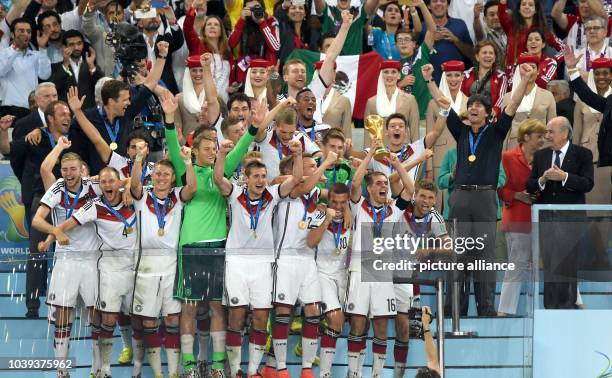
(14, 234)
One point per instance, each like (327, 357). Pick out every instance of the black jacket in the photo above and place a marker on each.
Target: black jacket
(87, 81)
(603, 105)
(25, 125)
(578, 163)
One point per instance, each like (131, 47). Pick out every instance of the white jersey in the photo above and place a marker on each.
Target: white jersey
(334, 249)
(430, 225)
(363, 227)
(160, 248)
(274, 151)
(124, 166)
(245, 238)
(217, 126)
(117, 240)
(63, 206)
(290, 239)
(408, 153)
(316, 132)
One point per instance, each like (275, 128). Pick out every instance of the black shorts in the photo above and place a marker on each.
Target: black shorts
(199, 277)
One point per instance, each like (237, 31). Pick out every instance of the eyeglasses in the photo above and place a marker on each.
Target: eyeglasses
(403, 40)
(592, 28)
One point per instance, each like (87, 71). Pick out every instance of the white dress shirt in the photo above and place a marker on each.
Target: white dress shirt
(19, 73)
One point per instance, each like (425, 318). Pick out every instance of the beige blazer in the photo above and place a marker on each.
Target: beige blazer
(586, 128)
(339, 114)
(406, 105)
(544, 109)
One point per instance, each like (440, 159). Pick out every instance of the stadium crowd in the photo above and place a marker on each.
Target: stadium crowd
(202, 168)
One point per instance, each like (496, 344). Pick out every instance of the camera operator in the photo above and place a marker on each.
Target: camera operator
(258, 37)
(433, 366)
(150, 22)
(121, 105)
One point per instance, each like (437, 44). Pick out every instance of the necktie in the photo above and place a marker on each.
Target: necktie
(558, 158)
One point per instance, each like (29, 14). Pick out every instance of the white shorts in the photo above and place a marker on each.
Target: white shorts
(248, 283)
(153, 295)
(296, 279)
(371, 299)
(333, 290)
(115, 291)
(71, 279)
(404, 296)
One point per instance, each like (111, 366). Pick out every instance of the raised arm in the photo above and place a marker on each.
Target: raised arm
(316, 234)
(87, 127)
(427, 72)
(361, 172)
(169, 104)
(212, 100)
(135, 184)
(261, 134)
(327, 71)
(158, 67)
(395, 178)
(429, 22)
(557, 14)
(408, 184)
(370, 7)
(224, 185)
(477, 25)
(527, 73)
(46, 168)
(578, 85)
(311, 181)
(295, 146)
(191, 184)
(439, 124)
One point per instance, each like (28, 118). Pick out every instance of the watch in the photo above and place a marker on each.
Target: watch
(274, 76)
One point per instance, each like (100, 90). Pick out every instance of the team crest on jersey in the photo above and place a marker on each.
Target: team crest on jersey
(267, 199)
(234, 300)
(138, 308)
(281, 297)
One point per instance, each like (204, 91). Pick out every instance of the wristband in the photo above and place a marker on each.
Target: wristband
(253, 130)
(428, 81)
(170, 125)
(444, 112)
(425, 331)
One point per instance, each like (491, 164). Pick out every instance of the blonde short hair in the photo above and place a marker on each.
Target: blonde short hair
(531, 126)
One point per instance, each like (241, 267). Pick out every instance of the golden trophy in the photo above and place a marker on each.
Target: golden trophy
(375, 125)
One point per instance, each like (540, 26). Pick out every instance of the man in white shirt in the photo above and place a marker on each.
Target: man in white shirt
(596, 30)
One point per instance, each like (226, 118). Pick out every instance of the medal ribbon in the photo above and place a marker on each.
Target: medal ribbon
(116, 213)
(337, 233)
(254, 217)
(313, 134)
(334, 174)
(279, 148)
(378, 223)
(420, 229)
(474, 145)
(401, 156)
(161, 222)
(114, 133)
(306, 203)
(143, 174)
(67, 200)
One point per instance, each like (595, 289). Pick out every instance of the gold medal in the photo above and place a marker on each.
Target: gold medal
(254, 234)
(113, 146)
(57, 162)
(302, 225)
(337, 251)
(472, 158)
(129, 230)
(160, 232)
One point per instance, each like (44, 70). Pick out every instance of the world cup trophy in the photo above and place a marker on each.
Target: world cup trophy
(375, 125)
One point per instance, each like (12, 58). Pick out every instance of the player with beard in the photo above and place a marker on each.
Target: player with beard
(160, 209)
(332, 241)
(199, 278)
(249, 277)
(74, 272)
(295, 276)
(371, 299)
(115, 224)
(305, 107)
(294, 74)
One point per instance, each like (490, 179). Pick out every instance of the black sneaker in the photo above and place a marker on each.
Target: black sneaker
(32, 313)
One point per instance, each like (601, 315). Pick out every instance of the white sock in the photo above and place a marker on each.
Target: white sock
(126, 336)
(203, 337)
(95, 354)
(256, 353)
(61, 347)
(139, 353)
(399, 370)
(353, 356)
(280, 353)
(233, 358)
(187, 344)
(362, 356)
(173, 355)
(154, 358)
(106, 353)
(218, 347)
(378, 362)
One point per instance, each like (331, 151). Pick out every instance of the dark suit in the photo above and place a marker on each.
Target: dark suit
(561, 231)
(604, 106)
(86, 82)
(27, 124)
(565, 108)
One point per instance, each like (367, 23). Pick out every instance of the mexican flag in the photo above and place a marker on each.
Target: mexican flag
(360, 75)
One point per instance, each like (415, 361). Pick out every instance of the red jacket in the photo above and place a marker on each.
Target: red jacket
(518, 44)
(516, 215)
(546, 73)
(499, 85)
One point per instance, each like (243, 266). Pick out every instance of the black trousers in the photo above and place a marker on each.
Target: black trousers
(36, 266)
(475, 214)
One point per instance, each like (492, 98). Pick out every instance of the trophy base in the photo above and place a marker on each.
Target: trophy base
(381, 152)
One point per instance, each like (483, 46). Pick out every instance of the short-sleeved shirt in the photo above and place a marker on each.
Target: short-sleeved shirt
(363, 218)
(332, 19)
(485, 169)
(333, 249)
(384, 44)
(61, 201)
(290, 239)
(246, 239)
(159, 251)
(446, 50)
(274, 151)
(112, 231)
(408, 152)
(124, 165)
(430, 225)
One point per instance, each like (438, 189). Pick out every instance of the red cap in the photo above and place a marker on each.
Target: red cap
(193, 61)
(390, 64)
(319, 64)
(259, 63)
(453, 65)
(526, 58)
(601, 63)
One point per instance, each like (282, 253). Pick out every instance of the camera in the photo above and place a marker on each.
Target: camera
(257, 11)
(129, 46)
